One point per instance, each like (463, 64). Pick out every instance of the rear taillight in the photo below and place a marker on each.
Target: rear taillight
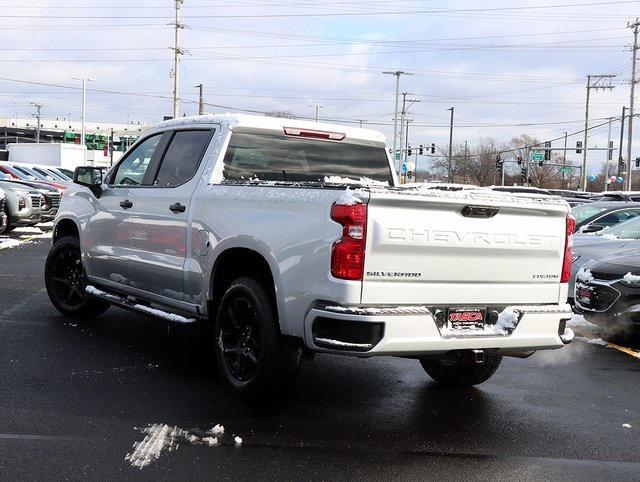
(568, 243)
(347, 254)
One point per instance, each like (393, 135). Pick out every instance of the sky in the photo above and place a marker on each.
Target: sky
(508, 67)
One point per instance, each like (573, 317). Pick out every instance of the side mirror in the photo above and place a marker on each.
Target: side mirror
(592, 228)
(90, 177)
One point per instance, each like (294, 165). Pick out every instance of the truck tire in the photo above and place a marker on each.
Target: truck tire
(255, 363)
(462, 373)
(65, 281)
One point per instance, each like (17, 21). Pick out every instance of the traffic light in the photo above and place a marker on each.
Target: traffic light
(498, 162)
(578, 147)
(433, 148)
(637, 161)
(523, 171)
(610, 157)
(421, 150)
(409, 151)
(547, 151)
(540, 163)
(519, 159)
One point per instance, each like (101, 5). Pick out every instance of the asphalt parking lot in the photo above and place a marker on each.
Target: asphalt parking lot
(77, 396)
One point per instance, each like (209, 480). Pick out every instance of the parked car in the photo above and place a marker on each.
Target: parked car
(4, 216)
(22, 205)
(257, 228)
(522, 190)
(607, 292)
(593, 217)
(577, 201)
(51, 196)
(567, 193)
(617, 196)
(26, 173)
(616, 239)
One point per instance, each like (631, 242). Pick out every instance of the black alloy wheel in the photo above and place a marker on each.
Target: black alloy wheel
(66, 282)
(239, 338)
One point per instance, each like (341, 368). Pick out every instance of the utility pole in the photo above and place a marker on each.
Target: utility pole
(404, 135)
(397, 74)
(317, 108)
(361, 122)
(620, 159)
(200, 100)
(450, 161)
(177, 52)
(634, 49)
(607, 158)
(37, 116)
(564, 158)
(602, 82)
(84, 106)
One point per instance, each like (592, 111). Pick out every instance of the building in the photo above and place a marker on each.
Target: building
(97, 134)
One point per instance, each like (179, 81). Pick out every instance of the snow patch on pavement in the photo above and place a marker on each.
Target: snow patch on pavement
(626, 425)
(160, 437)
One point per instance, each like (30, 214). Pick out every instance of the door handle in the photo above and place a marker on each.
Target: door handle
(126, 204)
(177, 208)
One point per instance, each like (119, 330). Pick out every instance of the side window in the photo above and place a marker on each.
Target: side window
(131, 170)
(182, 158)
(617, 217)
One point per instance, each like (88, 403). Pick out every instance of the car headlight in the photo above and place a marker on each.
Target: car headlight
(22, 203)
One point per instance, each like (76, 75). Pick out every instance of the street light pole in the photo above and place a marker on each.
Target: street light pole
(397, 74)
(317, 108)
(450, 165)
(200, 100)
(634, 51)
(84, 81)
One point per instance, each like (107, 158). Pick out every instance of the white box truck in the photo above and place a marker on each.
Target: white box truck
(68, 156)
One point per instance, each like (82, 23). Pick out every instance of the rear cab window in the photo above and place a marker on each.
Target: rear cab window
(269, 156)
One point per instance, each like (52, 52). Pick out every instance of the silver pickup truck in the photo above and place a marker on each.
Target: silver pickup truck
(284, 238)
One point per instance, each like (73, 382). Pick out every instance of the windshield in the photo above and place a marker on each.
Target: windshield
(270, 157)
(585, 211)
(626, 230)
(30, 172)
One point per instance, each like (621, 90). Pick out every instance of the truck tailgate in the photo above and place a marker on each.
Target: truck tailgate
(469, 247)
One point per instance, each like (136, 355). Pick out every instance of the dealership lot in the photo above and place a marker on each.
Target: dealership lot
(76, 396)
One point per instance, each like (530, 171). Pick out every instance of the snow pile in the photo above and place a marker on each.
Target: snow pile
(160, 437)
(163, 314)
(626, 425)
(216, 430)
(210, 441)
(507, 321)
(363, 181)
(613, 237)
(631, 279)
(9, 243)
(584, 275)
(348, 198)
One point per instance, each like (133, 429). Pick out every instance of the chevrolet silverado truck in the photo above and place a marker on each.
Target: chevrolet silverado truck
(284, 238)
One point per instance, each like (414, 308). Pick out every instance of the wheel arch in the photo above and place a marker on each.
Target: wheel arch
(65, 227)
(236, 262)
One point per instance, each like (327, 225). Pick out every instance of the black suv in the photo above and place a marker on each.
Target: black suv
(607, 292)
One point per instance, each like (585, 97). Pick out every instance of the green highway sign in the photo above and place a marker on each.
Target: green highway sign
(397, 156)
(537, 155)
(565, 169)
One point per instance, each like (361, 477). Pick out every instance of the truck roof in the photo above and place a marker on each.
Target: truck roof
(234, 120)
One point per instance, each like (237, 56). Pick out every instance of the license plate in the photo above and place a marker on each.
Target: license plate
(584, 296)
(466, 318)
